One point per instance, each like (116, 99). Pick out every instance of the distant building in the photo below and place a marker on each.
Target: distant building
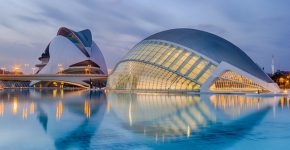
(189, 60)
(282, 78)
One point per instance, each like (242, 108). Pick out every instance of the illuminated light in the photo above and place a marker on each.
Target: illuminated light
(108, 107)
(54, 93)
(285, 91)
(282, 102)
(60, 68)
(31, 108)
(59, 110)
(24, 113)
(33, 70)
(15, 106)
(130, 113)
(87, 109)
(16, 68)
(61, 92)
(1, 108)
(86, 70)
(188, 132)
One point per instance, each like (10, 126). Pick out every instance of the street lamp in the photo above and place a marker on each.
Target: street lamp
(60, 68)
(16, 68)
(26, 66)
(33, 70)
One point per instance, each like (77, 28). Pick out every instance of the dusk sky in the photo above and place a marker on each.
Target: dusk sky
(260, 28)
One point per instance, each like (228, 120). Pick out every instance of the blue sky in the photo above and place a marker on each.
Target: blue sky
(260, 28)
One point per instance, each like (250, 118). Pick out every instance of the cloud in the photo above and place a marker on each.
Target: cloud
(259, 28)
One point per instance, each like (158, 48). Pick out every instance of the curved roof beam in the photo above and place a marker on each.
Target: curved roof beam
(81, 39)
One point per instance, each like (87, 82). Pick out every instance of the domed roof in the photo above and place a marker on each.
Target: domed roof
(214, 47)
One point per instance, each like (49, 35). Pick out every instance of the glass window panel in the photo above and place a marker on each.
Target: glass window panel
(162, 50)
(177, 63)
(165, 56)
(206, 74)
(147, 51)
(188, 65)
(168, 62)
(153, 53)
(196, 70)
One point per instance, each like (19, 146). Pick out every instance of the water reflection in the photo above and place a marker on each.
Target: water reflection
(69, 118)
(78, 119)
(206, 121)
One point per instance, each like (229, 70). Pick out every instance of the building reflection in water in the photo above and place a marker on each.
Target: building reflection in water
(15, 106)
(169, 117)
(58, 110)
(69, 117)
(87, 108)
(235, 105)
(161, 116)
(1, 108)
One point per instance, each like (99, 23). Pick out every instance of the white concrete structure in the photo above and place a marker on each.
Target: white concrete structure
(189, 60)
(72, 52)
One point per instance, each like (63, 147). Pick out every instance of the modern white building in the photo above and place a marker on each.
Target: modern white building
(189, 60)
(72, 52)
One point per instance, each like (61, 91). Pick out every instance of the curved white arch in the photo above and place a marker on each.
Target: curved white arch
(62, 51)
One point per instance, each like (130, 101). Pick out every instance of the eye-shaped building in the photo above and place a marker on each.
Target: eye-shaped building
(189, 60)
(72, 52)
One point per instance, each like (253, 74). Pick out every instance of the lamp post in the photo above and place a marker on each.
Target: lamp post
(33, 70)
(60, 68)
(25, 67)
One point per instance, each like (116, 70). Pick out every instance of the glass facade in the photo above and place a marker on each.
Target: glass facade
(155, 65)
(231, 81)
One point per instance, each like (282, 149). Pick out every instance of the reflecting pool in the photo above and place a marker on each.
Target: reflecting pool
(80, 119)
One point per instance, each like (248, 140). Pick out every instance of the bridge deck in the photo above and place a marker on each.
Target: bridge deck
(75, 79)
(51, 76)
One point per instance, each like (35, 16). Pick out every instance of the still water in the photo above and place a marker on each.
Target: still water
(67, 119)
